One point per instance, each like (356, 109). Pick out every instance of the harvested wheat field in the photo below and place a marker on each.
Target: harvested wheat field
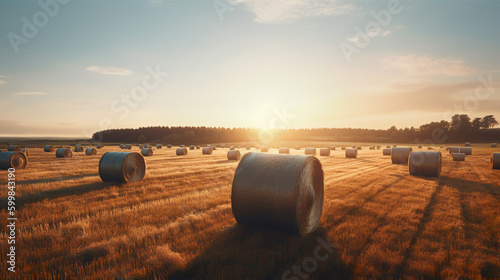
(177, 222)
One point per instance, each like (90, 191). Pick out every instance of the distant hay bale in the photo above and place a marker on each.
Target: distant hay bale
(458, 156)
(90, 151)
(430, 148)
(284, 151)
(332, 148)
(394, 146)
(12, 159)
(147, 152)
(310, 151)
(48, 148)
(64, 153)
(278, 191)
(214, 148)
(354, 147)
(297, 148)
(425, 164)
(465, 150)
(420, 146)
(359, 148)
(400, 155)
(343, 148)
(494, 145)
(78, 148)
(127, 147)
(388, 147)
(222, 146)
(158, 146)
(122, 146)
(122, 167)
(26, 152)
(99, 146)
(181, 151)
(386, 151)
(452, 150)
(467, 144)
(207, 150)
(147, 146)
(495, 160)
(169, 146)
(197, 147)
(233, 155)
(141, 147)
(13, 148)
(264, 149)
(324, 152)
(192, 147)
(351, 153)
(378, 147)
(372, 148)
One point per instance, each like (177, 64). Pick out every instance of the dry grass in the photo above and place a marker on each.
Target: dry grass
(177, 222)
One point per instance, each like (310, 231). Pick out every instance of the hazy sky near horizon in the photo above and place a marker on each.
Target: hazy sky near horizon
(76, 68)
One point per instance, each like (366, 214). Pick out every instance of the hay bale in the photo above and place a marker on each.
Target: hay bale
(297, 148)
(122, 167)
(452, 150)
(278, 191)
(127, 147)
(378, 147)
(332, 148)
(386, 151)
(310, 151)
(467, 144)
(264, 149)
(147, 152)
(494, 145)
(420, 146)
(26, 152)
(158, 146)
(359, 148)
(147, 146)
(14, 148)
(353, 147)
(284, 151)
(495, 161)
(192, 147)
(400, 155)
(430, 148)
(214, 148)
(90, 151)
(343, 148)
(181, 151)
(48, 148)
(64, 153)
(233, 155)
(394, 146)
(207, 150)
(197, 147)
(324, 152)
(388, 147)
(351, 153)
(372, 148)
(12, 159)
(78, 148)
(169, 146)
(465, 150)
(141, 147)
(99, 146)
(425, 164)
(458, 156)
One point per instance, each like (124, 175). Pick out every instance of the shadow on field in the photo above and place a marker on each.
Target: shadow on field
(465, 186)
(245, 253)
(55, 179)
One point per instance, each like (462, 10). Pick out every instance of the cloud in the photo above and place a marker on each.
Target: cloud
(108, 70)
(2, 82)
(423, 65)
(387, 32)
(280, 10)
(30, 93)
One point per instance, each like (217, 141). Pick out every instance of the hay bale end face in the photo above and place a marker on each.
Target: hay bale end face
(191, 147)
(310, 151)
(284, 151)
(122, 167)
(466, 150)
(207, 150)
(458, 156)
(147, 152)
(494, 145)
(48, 148)
(13, 159)
(351, 153)
(495, 161)
(90, 151)
(14, 148)
(278, 191)
(400, 155)
(197, 147)
(324, 152)
(425, 164)
(181, 151)
(386, 152)
(64, 153)
(78, 148)
(233, 155)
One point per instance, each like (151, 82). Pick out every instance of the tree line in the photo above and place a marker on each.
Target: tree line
(460, 128)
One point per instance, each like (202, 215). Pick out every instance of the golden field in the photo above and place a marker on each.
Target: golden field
(177, 222)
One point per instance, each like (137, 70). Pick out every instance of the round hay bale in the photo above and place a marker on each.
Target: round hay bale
(359, 148)
(284, 151)
(354, 147)
(494, 145)
(297, 148)
(351, 153)
(141, 147)
(128, 147)
(495, 161)
(26, 152)
(388, 147)
(386, 151)
(192, 147)
(64, 153)
(122, 167)
(233, 155)
(181, 151)
(452, 150)
(394, 146)
(13, 159)
(372, 148)
(458, 156)
(324, 152)
(197, 147)
(310, 151)
(400, 155)
(48, 148)
(169, 146)
(99, 146)
(207, 150)
(158, 146)
(343, 148)
(122, 146)
(333, 148)
(78, 148)
(147, 146)
(147, 152)
(378, 147)
(467, 144)
(278, 191)
(13, 148)
(430, 148)
(420, 146)
(465, 150)
(425, 163)
(90, 151)
(214, 148)
(264, 149)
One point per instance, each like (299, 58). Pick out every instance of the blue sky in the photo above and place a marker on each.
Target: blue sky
(252, 63)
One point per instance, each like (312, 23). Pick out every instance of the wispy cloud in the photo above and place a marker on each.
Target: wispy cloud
(423, 65)
(30, 93)
(387, 32)
(109, 70)
(280, 10)
(2, 81)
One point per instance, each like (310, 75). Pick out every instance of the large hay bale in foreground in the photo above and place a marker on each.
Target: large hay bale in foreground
(48, 148)
(324, 152)
(181, 151)
(233, 155)
(122, 167)
(425, 163)
(386, 151)
(278, 191)
(400, 155)
(310, 151)
(78, 148)
(467, 144)
(351, 153)
(495, 160)
(494, 145)
(12, 159)
(147, 152)
(458, 156)
(465, 150)
(284, 151)
(14, 148)
(64, 153)
(452, 150)
(90, 151)
(207, 150)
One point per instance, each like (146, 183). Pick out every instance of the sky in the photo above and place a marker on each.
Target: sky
(72, 68)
